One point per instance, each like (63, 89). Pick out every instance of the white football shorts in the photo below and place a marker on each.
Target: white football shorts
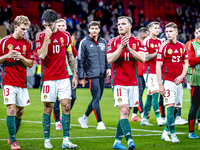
(52, 89)
(16, 95)
(126, 95)
(173, 93)
(152, 83)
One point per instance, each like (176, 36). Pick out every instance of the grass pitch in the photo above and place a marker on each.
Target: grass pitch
(30, 135)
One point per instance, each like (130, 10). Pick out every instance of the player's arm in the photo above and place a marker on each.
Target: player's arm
(42, 52)
(159, 64)
(6, 56)
(150, 56)
(179, 79)
(191, 55)
(71, 61)
(81, 63)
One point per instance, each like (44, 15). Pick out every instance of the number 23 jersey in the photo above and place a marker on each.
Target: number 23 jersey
(124, 69)
(54, 65)
(172, 56)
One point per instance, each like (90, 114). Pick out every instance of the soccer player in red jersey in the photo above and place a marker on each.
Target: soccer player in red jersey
(142, 34)
(61, 25)
(123, 52)
(194, 60)
(152, 44)
(51, 47)
(16, 54)
(172, 58)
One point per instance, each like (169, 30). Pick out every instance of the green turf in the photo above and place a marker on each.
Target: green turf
(30, 135)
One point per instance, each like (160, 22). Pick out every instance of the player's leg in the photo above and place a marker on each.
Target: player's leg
(83, 120)
(64, 93)
(193, 110)
(148, 103)
(19, 113)
(141, 86)
(162, 108)
(56, 114)
(73, 93)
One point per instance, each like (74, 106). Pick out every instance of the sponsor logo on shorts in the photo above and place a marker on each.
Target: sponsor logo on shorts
(169, 51)
(151, 45)
(166, 100)
(178, 104)
(45, 96)
(28, 101)
(6, 99)
(119, 100)
(136, 103)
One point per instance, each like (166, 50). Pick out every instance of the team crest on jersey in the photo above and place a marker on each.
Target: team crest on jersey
(151, 45)
(6, 99)
(49, 41)
(10, 46)
(169, 51)
(166, 100)
(181, 50)
(119, 100)
(24, 48)
(102, 46)
(61, 40)
(37, 44)
(45, 96)
(134, 46)
(109, 48)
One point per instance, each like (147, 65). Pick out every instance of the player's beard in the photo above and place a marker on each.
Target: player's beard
(54, 27)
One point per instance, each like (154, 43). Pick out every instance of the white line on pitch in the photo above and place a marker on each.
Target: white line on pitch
(154, 131)
(57, 138)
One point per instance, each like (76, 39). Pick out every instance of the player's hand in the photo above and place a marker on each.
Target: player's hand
(178, 80)
(124, 41)
(48, 33)
(17, 55)
(162, 90)
(82, 82)
(74, 82)
(108, 72)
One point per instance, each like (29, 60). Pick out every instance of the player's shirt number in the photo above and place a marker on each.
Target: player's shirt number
(6, 92)
(126, 56)
(176, 58)
(56, 49)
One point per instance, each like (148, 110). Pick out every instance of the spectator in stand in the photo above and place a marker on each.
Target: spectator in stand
(41, 9)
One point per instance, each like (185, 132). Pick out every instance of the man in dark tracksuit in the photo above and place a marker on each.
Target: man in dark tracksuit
(92, 62)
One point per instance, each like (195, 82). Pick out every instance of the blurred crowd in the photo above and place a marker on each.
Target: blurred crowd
(79, 13)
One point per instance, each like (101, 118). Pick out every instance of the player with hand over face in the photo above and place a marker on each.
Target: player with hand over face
(123, 52)
(51, 45)
(16, 54)
(172, 58)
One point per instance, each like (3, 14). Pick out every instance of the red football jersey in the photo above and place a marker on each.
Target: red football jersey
(124, 69)
(54, 65)
(14, 71)
(152, 46)
(172, 56)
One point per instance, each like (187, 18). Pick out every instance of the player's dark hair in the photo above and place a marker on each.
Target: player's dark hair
(49, 16)
(128, 18)
(94, 23)
(143, 30)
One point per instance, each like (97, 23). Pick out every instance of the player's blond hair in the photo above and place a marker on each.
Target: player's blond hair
(126, 17)
(22, 20)
(171, 25)
(197, 27)
(153, 23)
(61, 20)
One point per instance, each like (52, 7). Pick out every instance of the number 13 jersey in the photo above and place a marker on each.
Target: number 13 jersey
(54, 64)
(172, 56)
(124, 69)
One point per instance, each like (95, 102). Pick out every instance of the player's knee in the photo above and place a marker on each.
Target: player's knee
(19, 113)
(11, 110)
